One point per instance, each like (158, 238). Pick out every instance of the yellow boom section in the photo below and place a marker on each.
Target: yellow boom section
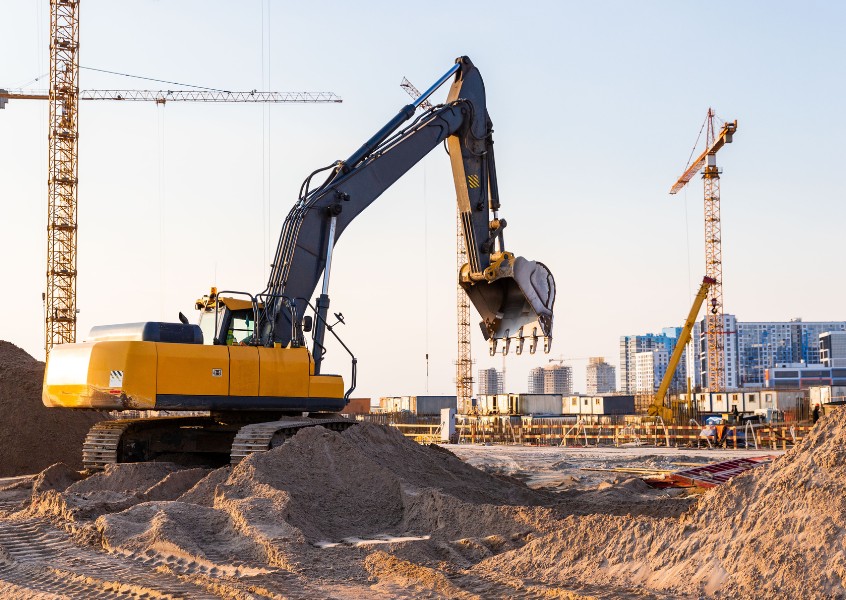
(657, 407)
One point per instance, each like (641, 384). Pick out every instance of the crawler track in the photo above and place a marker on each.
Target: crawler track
(261, 437)
(100, 447)
(107, 442)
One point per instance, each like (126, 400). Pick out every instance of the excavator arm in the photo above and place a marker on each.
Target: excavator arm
(514, 296)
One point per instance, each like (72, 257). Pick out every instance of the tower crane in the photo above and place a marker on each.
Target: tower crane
(64, 96)
(714, 321)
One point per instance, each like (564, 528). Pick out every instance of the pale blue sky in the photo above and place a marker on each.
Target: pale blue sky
(595, 107)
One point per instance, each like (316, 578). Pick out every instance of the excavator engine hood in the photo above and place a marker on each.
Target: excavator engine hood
(515, 298)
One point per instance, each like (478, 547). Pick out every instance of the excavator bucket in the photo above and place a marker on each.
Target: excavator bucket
(515, 300)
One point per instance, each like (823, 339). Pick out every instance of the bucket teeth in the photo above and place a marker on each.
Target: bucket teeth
(515, 304)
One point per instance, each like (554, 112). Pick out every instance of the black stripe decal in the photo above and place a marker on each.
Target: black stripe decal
(190, 402)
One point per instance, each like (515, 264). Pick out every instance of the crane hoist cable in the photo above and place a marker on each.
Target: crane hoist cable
(199, 87)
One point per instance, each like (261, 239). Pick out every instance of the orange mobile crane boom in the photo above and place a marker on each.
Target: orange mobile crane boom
(714, 321)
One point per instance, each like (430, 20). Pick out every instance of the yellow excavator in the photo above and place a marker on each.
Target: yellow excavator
(658, 407)
(245, 375)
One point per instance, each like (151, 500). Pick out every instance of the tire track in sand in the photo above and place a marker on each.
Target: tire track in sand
(36, 556)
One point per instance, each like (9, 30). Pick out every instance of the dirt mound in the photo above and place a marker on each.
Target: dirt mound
(32, 436)
(368, 513)
(60, 492)
(322, 491)
(56, 477)
(178, 530)
(436, 467)
(774, 532)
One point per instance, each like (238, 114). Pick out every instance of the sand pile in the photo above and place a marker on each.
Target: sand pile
(369, 513)
(59, 492)
(320, 496)
(775, 532)
(33, 437)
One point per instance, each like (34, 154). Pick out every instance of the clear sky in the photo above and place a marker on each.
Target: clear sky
(595, 105)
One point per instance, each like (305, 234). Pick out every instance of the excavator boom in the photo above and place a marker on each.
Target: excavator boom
(513, 296)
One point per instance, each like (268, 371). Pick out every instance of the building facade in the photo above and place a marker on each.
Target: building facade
(796, 376)
(490, 381)
(753, 347)
(650, 368)
(601, 377)
(551, 379)
(536, 380)
(833, 348)
(632, 345)
(698, 362)
(558, 379)
(763, 345)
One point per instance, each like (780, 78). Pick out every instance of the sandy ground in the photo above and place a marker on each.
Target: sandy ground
(558, 468)
(369, 514)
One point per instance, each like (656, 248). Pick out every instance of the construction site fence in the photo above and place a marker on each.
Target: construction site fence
(543, 432)
(594, 430)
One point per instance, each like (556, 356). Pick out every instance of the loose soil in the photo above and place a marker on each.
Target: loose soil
(32, 436)
(368, 513)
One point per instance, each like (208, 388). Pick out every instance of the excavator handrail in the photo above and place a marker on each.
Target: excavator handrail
(354, 360)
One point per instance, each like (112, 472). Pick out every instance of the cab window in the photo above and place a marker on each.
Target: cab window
(207, 324)
(241, 328)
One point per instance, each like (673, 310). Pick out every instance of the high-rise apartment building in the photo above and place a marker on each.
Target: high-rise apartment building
(753, 347)
(551, 379)
(601, 377)
(490, 381)
(833, 348)
(536, 380)
(632, 345)
(650, 368)
(558, 379)
(698, 363)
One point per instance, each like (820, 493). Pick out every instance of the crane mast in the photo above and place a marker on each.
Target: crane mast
(464, 362)
(714, 321)
(60, 297)
(64, 95)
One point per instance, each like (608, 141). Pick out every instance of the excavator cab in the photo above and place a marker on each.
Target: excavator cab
(232, 321)
(227, 321)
